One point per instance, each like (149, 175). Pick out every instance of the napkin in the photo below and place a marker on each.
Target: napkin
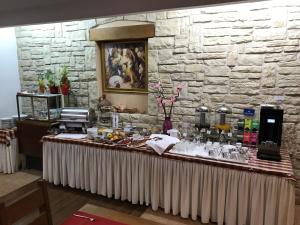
(160, 142)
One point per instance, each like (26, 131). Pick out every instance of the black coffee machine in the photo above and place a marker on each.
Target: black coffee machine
(270, 132)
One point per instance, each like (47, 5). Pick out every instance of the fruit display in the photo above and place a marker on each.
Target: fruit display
(111, 135)
(115, 136)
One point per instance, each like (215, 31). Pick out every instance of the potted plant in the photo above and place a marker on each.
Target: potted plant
(52, 82)
(41, 83)
(64, 81)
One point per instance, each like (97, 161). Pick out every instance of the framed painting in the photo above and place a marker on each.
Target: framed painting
(124, 66)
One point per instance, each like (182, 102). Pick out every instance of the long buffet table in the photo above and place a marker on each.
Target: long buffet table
(8, 151)
(257, 193)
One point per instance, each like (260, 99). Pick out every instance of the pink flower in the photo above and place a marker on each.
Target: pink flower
(156, 86)
(159, 101)
(172, 99)
(179, 87)
(164, 102)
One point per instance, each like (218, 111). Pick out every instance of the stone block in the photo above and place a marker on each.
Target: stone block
(195, 84)
(241, 39)
(217, 98)
(289, 70)
(194, 68)
(241, 32)
(201, 18)
(241, 75)
(181, 41)
(292, 110)
(221, 71)
(216, 41)
(294, 91)
(216, 80)
(212, 56)
(183, 76)
(161, 42)
(171, 68)
(194, 90)
(272, 91)
(221, 32)
(270, 34)
(184, 111)
(87, 76)
(215, 49)
(269, 74)
(288, 49)
(263, 50)
(137, 17)
(246, 87)
(250, 60)
(180, 50)
(215, 89)
(244, 99)
(280, 57)
(43, 34)
(259, 15)
(170, 27)
(215, 62)
(77, 35)
(90, 58)
(247, 69)
(288, 81)
(25, 55)
(292, 100)
(165, 55)
(278, 43)
(152, 61)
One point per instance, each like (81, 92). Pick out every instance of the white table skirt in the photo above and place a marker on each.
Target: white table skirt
(179, 187)
(9, 157)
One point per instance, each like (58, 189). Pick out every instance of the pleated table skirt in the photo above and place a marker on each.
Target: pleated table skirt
(9, 157)
(189, 189)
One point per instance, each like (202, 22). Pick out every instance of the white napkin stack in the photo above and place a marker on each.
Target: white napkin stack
(160, 142)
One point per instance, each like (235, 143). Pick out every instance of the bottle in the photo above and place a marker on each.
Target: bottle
(115, 120)
(249, 114)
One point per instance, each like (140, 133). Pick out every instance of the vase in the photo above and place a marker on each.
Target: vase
(53, 89)
(42, 89)
(167, 125)
(64, 89)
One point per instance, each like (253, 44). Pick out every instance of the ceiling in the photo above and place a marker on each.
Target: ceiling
(24, 12)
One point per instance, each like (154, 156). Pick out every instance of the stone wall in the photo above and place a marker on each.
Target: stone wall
(242, 55)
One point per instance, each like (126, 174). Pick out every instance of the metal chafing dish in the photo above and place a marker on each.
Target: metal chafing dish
(74, 119)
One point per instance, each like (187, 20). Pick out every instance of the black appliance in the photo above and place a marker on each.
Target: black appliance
(270, 132)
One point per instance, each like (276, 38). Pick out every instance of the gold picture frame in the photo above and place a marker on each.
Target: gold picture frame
(124, 66)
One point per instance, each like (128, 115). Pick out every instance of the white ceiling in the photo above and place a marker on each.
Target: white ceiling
(23, 12)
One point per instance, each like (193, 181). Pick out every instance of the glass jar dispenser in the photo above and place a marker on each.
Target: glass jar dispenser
(223, 118)
(202, 119)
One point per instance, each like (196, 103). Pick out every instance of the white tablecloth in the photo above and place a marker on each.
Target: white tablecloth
(212, 193)
(9, 157)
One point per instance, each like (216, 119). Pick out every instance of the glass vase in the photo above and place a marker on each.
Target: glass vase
(167, 125)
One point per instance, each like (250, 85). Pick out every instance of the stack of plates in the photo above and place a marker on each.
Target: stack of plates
(15, 118)
(6, 123)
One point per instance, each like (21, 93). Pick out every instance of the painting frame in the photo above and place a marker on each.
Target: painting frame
(106, 76)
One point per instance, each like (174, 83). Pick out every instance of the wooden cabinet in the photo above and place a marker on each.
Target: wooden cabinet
(30, 133)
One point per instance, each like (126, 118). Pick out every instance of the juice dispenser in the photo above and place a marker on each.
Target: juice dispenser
(249, 114)
(254, 133)
(202, 119)
(223, 118)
